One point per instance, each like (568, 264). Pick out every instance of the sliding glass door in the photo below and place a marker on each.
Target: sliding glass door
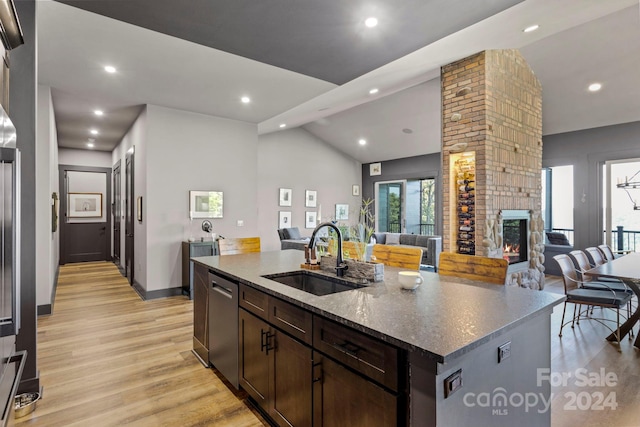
(621, 220)
(406, 206)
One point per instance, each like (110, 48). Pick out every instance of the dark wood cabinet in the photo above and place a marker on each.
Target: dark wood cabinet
(192, 250)
(201, 313)
(275, 370)
(290, 381)
(343, 398)
(303, 369)
(253, 360)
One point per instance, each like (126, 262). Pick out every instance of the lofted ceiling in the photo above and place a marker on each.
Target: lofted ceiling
(311, 64)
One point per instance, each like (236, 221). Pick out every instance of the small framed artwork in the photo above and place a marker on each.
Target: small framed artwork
(311, 219)
(310, 198)
(375, 169)
(355, 190)
(85, 205)
(342, 212)
(284, 219)
(285, 197)
(139, 208)
(205, 204)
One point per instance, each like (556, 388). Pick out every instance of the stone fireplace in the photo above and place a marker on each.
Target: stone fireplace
(492, 114)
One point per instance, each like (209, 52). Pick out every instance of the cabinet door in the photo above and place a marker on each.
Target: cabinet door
(201, 311)
(343, 398)
(253, 358)
(290, 381)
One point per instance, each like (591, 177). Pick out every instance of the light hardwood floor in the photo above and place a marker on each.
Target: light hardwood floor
(107, 358)
(585, 347)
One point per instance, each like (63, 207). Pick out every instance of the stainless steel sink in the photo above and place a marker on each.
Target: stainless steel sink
(316, 284)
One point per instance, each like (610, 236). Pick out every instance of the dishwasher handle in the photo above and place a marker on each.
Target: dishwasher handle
(222, 290)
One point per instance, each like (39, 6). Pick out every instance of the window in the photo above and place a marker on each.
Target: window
(557, 199)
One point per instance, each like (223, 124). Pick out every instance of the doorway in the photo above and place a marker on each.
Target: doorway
(85, 195)
(406, 206)
(128, 217)
(116, 211)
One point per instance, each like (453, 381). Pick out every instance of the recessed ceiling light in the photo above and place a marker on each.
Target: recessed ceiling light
(98, 112)
(362, 141)
(531, 28)
(374, 91)
(93, 131)
(245, 99)
(594, 87)
(283, 125)
(110, 69)
(407, 130)
(90, 144)
(371, 22)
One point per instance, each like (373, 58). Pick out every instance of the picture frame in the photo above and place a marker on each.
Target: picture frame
(311, 219)
(355, 190)
(284, 219)
(342, 212)
(85, 205)
(310, 198)
(375, 169)
(205, 204)
(285, 197)
(139, 208)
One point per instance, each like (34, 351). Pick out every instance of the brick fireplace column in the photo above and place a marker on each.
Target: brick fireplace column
(492, 110)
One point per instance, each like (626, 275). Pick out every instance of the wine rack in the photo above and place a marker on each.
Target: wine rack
(464, 168)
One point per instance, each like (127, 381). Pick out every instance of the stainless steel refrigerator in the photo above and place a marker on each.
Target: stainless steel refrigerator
(11, 362)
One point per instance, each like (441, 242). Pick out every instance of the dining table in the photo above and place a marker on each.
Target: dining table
(626, 269)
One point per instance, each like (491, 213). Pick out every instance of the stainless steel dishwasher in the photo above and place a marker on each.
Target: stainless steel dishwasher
(223, 326)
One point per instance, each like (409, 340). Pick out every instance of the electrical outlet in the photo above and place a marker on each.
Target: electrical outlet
(240, 223)
(504, 351)
(452, 383)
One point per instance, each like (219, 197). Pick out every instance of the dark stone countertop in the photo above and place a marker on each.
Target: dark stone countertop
(443, 318)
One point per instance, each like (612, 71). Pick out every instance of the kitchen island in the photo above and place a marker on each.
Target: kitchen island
(451, 352)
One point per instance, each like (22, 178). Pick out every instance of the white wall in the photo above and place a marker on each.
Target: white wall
(135, 139)
(298, 160)
(70, 156)
(189, 151)
(47, 242)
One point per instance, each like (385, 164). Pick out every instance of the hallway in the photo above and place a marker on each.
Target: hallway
(107, 358)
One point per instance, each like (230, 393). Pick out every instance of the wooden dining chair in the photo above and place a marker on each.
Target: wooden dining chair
(492, 270)
(240, 245)
(397, 256)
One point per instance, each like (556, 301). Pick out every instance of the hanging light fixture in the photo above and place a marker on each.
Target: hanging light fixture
(632, 183)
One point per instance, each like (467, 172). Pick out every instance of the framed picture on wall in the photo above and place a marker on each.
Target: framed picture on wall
(355, 190)
(285, 197)
(342, 212)
(205, 204)
(284, 219)
(85, 205)
(311, 198)
(375, 169)
(311, 219)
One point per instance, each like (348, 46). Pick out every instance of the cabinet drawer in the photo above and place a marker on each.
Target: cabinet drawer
(373, 358)
(254, 301)
(291, 319)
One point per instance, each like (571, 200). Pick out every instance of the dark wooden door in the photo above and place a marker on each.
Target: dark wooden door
(82, 238)
(117, 213)
(253, 360)
(342, 398)
(128, 219)
(290, 380)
